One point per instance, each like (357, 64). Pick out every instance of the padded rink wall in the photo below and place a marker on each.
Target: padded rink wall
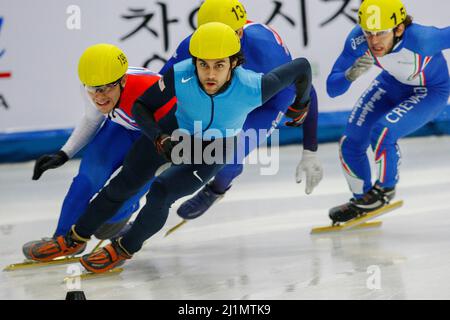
(40, 100)
(23, 146)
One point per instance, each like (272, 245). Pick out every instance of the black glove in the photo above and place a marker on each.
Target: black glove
(47, 161)
(164, 146)
(297, 113)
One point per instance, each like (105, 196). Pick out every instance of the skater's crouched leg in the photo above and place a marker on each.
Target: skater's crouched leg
(151, 218)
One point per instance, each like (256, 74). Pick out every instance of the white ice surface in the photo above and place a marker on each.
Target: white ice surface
(255, 244)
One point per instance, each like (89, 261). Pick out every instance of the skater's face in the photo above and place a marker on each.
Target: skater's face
(214, 73)
(106, 97)
(382, 42)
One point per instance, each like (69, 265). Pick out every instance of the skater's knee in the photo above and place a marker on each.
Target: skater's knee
(383, 135)
(159, 191)
(125, 185)
(353, 145)
(383, 139)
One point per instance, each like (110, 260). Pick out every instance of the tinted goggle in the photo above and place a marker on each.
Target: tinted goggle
(377, 33)
(102, 89)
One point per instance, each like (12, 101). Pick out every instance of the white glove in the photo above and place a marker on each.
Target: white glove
(312, 167)
(361, 66)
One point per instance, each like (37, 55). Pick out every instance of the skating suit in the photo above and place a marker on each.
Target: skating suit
(411, 90)
(263, 50)
(215, 120)
(107, 140)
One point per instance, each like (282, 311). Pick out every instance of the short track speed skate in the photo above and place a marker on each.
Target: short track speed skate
(357, 212)
(360, 222)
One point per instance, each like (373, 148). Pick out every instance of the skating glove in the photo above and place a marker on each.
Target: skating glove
(361, 66)
(164, 146)
(298, 114)
(312, 167)
(47, 161)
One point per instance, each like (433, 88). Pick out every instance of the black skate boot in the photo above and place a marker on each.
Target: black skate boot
(389, 193)
(200, 203)
(376, 198)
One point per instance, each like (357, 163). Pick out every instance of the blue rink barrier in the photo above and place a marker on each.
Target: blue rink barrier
(25, 146)
(332, 124)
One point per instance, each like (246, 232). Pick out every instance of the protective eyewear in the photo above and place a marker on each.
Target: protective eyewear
(377, 33)
(103, 89)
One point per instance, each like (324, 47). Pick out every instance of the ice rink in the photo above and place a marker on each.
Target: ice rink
(255, 244)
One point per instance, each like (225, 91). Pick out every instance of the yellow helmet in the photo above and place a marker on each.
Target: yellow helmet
(101, 64)
(377, 15)
(214, 40)
(230, 12)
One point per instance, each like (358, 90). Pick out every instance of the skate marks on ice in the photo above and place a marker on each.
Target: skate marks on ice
(90, 275)
(256, 243)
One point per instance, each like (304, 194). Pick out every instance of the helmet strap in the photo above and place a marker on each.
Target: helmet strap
(112, 113)
(396, 40)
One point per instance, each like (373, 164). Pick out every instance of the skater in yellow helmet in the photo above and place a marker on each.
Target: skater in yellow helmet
(264, 50)
(107, 130)
(411, 90)
(214, 96)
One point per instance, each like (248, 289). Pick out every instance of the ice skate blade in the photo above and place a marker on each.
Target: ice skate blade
(360, 222)
(57, 261)
(91, 275)
(365, 225)
(28, 264)
(173, 229)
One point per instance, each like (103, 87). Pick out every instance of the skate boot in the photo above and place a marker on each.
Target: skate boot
(26, 247)
(389, 193)
(200, 203)
(48, 249)
(374, 199)
(107, 258)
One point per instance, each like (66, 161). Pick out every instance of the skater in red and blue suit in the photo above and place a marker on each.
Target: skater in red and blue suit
(107, 130)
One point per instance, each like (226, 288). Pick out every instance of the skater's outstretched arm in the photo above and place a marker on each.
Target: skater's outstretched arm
(84, 131)
(297, 71)
(427, 40)
(337, 81)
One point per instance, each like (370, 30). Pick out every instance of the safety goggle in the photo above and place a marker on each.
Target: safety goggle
(381, 33)
(102, 89)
